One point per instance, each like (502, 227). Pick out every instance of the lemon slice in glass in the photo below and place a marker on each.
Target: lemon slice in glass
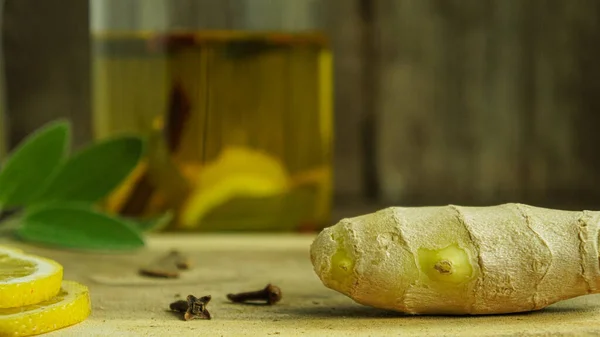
(237, 172)
(27, 279)
(70, 306)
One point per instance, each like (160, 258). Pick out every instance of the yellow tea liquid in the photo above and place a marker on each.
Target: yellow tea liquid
(239, 126)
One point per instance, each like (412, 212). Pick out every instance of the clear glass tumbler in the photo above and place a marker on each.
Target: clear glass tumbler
(235, 98)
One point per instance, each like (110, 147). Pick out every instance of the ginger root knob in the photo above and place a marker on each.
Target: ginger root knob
(447, 265)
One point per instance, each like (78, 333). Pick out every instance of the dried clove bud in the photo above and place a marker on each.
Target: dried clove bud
(193, 307)
(270, 294)
(197, 307)
(167, 266)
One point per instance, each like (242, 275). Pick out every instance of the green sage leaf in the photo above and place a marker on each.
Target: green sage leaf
(95, 171)
(78, 227)
(32, 163)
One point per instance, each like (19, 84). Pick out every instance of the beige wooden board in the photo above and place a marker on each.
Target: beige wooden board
(125, 304)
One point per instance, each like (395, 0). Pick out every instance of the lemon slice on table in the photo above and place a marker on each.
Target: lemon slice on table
(14, 249)
(70, 306)
(27, 279)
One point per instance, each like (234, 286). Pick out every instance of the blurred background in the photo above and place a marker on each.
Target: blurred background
(288, 115)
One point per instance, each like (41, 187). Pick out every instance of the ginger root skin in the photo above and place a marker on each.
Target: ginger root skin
(461, 260)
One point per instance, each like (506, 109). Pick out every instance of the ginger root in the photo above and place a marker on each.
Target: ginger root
(461, 260)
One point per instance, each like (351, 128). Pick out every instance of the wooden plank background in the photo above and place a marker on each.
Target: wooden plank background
(437, 101)
(47, 65)
(489, 101)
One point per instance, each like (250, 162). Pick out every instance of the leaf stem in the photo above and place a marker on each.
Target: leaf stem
(6, 214)
(9, 223)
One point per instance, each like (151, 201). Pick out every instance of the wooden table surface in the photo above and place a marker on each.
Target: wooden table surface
(125, 304)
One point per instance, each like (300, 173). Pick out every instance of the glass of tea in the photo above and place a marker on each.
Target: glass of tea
(235, 101)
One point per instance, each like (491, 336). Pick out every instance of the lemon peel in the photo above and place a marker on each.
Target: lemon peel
(27, 279)
(70, 306)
